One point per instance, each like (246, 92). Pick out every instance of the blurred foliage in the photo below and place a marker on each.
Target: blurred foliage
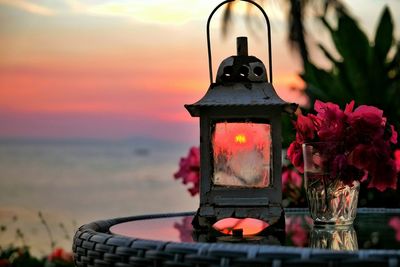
(295, 14)
(20, 255)
(367, 72)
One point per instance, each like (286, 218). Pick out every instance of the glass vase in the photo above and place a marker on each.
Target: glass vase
(331, 201)
(337, 238)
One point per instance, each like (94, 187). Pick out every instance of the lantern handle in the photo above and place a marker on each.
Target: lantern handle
(268, 32)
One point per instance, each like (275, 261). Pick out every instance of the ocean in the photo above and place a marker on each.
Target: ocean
(76, 182)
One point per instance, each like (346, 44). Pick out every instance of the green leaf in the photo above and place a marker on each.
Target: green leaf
(384, 35)
(321, 84)
(354, 47)
(327, 54)
(351, 41)
(394, 64)
(366, 72)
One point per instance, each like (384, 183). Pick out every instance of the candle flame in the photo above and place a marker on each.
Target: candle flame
(240, 138)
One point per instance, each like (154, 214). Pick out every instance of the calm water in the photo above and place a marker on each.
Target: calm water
(73, 183)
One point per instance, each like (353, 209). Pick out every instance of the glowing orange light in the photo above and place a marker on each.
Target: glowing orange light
(249, 226)
(240, 138)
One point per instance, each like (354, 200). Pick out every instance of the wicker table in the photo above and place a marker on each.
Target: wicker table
(166, 240)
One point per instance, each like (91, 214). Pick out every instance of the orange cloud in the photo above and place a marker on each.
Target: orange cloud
(69, 91)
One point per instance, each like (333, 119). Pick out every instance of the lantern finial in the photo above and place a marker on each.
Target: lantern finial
(241, 44)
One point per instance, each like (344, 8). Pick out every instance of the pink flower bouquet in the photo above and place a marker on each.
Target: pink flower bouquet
(189, 170)
(355, 143)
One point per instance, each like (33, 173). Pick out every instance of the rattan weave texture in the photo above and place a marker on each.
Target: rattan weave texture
(94, 246)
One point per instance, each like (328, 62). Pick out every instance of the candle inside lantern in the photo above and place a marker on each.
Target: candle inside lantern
(241, 154)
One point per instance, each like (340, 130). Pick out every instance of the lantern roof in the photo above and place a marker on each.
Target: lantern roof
(240, 95)
(241, 81)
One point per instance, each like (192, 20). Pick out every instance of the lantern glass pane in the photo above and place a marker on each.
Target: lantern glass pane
(242, 154)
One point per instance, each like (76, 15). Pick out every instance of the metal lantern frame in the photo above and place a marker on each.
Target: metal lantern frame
(235, 97)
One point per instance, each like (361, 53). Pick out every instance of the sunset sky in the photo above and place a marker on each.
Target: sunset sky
(121, 69)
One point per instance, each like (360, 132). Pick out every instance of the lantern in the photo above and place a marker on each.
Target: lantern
(240, 139)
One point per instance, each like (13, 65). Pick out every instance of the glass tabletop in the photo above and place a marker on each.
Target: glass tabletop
(371, 230)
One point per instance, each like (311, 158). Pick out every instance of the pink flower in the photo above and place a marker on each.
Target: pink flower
(305, 128)
(367, 123)
(394, 222)
(393, 138)
(354, 145)
(349, 108)
(290, 178)
(397, 159)
(375, 159)
(362, 156)
(189, 170)
(339, 164)
(5, 263)
(185, 229)
(296, 231)
(332, 121)
(59, 254)
(384, 176)
(295, 155)
(370, 114)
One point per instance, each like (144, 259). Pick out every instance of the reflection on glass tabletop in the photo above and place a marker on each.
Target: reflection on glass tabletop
(380, 230)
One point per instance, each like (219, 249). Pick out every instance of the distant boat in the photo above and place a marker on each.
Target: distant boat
(143, 152)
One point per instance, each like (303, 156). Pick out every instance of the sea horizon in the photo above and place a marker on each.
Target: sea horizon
(77, 180)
